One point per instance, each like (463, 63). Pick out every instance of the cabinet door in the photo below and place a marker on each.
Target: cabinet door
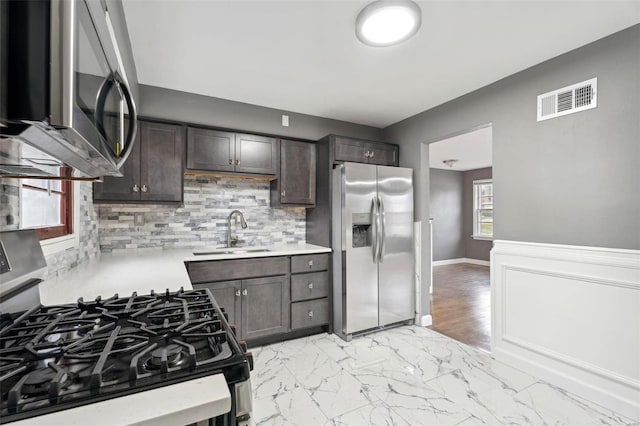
(161, 153)
(256, 154)
(210, 150)
(352, 150)
(228, 296)
(265, 306)
(383, 155)
(297, 172)
(125, 188)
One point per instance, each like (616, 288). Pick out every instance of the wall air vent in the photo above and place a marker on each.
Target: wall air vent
(570, 99)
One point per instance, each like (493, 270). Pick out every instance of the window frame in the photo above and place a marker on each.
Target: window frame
(477, 210)
(67, 207)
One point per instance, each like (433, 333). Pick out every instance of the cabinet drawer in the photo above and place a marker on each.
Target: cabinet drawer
(309, 286)
(223, 270)
(309, 263)
(309, 314)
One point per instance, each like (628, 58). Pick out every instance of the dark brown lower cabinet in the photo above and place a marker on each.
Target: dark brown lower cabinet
(227, 294)
(258, 307)
(292, 296)
(265, 306)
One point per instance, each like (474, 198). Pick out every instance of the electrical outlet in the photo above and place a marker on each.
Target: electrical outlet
(138, 219)
(285, 120)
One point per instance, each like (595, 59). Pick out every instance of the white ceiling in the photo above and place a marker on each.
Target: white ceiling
(472, 150)
(303, 55)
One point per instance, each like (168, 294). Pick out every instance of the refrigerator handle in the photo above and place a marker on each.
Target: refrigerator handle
(383, 235)
(374, 232)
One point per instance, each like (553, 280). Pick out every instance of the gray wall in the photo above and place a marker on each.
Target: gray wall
(451, 196)
(169, 104)
(569, 180)
(446, 188)
(473, 249)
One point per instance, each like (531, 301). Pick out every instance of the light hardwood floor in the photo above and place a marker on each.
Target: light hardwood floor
(461, 304)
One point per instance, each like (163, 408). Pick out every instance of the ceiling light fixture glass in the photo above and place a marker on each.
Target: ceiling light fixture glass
(388, 22)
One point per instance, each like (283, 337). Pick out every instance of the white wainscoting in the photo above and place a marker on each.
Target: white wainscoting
(571, 316)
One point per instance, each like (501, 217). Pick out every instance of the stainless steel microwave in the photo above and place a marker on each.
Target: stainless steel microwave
(65, 92)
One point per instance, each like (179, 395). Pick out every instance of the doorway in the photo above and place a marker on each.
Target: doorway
(461, 206)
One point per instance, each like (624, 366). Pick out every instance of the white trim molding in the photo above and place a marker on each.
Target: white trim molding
(570, 315)
(55, 245)
(425, 321)
(461, 260)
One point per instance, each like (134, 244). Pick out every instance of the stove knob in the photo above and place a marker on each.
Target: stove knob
(249, 356)
(233, 329)
(243, 345)
(226, 316)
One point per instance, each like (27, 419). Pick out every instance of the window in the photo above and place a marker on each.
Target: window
(483, 209)
(47, 206)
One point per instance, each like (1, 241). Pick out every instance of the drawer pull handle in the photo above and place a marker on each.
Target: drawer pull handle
(237, 292)
(244, 292)
(230, 161)
(310, 263)
(310, 314)
(310, 286)
(237, 162)
(135, 188)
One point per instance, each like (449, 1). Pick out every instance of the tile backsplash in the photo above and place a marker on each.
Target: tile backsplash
(202, 219)
(9, 204)
(88, 248)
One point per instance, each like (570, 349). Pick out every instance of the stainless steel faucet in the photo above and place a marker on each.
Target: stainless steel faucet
(233, 241)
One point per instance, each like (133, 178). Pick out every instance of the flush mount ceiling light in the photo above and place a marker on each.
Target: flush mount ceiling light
(388, 22)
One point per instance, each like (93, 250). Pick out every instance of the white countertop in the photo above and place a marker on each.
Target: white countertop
(282, 250)
(144, 270)
(122, 273)
(179, 404)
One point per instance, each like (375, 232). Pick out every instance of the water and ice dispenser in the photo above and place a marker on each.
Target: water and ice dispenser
(362, 230)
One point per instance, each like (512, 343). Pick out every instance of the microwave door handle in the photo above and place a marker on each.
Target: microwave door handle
(101, 99)
(133, 124)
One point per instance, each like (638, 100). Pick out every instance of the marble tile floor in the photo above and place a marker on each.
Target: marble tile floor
(405, 376)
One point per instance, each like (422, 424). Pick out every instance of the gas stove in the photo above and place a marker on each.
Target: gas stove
(59, 357)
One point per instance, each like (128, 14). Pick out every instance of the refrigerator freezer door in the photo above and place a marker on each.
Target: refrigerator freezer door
(360, 274)
(395, 269)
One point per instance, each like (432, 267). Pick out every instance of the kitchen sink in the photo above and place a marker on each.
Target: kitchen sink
(239, 250)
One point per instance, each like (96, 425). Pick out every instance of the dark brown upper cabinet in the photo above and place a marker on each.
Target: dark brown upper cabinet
(362, 151)
(296, 184)
(153, 171)
(210, 150)
(219, 151)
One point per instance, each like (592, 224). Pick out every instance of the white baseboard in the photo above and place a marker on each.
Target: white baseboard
(569, 315)
(477, 261)
(461, 260)
(425, 320)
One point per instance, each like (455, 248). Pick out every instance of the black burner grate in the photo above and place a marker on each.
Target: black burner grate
(56, 357)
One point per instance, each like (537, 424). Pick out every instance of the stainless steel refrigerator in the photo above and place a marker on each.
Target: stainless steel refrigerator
(373, 272)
